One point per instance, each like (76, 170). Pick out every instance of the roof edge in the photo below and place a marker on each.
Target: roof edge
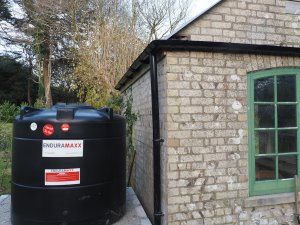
(204, 46)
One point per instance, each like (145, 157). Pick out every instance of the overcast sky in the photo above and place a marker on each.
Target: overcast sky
(197, 8)
(199, 5)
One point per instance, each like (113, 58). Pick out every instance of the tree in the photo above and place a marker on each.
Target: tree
(86, 45)
(117, 33)
(41, 20)
(13, 72)
(55, 28)
(6, 23)
(11, 59)
(160, 17)
(4, 10)
(106, 52)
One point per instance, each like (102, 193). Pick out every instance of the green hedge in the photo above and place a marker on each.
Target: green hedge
(5, 156)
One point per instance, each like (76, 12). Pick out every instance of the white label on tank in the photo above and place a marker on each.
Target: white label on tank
(33, 126)
(62, 176)
(62, 148)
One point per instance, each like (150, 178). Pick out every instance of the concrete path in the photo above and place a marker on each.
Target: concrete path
(135, 214)
(5, 210)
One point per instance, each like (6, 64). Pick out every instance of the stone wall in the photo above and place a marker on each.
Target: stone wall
(247, 21)
(207, 141)
(203, 113)
(142, 133)
(142, 105)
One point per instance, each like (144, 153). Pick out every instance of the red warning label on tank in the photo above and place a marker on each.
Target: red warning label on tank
(62, 176)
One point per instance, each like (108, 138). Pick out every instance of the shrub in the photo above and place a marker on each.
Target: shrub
(5, 156)
(116, 102)
(40, 103)
(8, 111)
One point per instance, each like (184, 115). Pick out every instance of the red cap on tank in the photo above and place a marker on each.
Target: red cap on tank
(48, 130)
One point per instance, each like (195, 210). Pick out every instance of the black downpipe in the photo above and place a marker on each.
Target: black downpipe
(156, 141)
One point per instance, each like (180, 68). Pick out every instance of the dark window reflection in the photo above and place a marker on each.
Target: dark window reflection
(286, 88)
(264, 89)
(265, 168)
(264, 142)
(286, 116)
(287, 141)
(287, 166)
(264, 116)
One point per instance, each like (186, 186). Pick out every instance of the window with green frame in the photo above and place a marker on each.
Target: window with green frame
(273, 112)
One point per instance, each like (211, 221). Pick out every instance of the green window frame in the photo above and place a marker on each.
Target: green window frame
(273, 130)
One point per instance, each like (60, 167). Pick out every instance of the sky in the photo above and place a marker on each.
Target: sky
(10, 31)
(199, 5)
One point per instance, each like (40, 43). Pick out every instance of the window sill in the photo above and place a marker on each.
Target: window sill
(275, 199)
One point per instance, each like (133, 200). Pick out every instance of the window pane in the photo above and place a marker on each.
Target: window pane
(264, 89)
(286, 88)
(287, 141)
(264, 142)
(264, 116)
(265, 168)
(286, 116)
(287, 166)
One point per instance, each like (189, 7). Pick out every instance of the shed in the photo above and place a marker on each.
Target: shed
(218, 128)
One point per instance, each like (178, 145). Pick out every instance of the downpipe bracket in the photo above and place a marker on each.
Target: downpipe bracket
(159, 140)
(159, 214)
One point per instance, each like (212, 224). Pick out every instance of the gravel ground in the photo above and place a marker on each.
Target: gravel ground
(135, 214)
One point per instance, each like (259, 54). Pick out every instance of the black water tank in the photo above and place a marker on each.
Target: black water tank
(68, 166)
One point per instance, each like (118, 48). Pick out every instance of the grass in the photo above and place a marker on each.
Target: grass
(5, 157)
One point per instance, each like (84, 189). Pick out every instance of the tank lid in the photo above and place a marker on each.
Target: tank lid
(66, 112)
(69, 121)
